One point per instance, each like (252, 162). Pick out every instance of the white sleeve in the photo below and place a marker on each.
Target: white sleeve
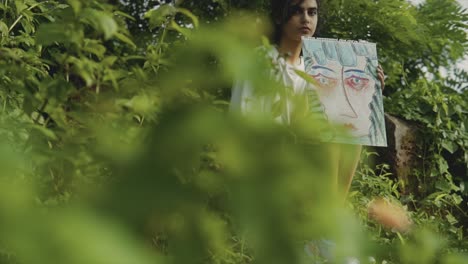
(243, 99)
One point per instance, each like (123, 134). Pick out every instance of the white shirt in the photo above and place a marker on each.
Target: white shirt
(245, 100)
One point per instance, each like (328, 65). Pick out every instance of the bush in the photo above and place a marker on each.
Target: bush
(118, 148)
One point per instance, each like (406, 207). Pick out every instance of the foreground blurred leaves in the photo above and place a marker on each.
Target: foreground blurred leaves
(118, 149)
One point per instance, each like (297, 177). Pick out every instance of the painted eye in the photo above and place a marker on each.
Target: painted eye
(324, 81)
(356, 83)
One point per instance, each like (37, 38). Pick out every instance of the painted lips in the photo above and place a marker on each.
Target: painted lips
(350, 126)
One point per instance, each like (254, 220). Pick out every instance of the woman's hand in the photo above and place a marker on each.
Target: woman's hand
(381, 76)
(389, 214)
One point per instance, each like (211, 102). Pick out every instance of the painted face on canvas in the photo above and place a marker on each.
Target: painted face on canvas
(346, 92)
(302, 21)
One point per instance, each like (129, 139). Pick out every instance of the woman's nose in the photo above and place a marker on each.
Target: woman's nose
(306, 17)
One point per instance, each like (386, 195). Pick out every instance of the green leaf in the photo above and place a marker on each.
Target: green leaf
(94, 47)
(190, 15)
(57, 89)
(27, 27)
(306, 77)
(443, 166)
(184, 31)
(46, 132)
(20, 6)
(120, 13)
(62, 6)
(109, 61)
(3, 29)
(444, 186)
(76, 5)
(451, 219)
(277, 108)
(134, 57)
(48, 34)
(158, 16)
(450, 146)
(457, 199)
(125, 39)
(109, 75)
(103, 22)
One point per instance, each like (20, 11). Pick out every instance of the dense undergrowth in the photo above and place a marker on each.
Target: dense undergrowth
(116, 146)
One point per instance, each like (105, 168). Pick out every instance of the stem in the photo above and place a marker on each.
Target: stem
(4, 104)
(461, 210)
(424, 163)
(402, 240)
(46, 122)
(41, 110)
(21, 16)
(161, 40)
(456, 206)
(163, 37)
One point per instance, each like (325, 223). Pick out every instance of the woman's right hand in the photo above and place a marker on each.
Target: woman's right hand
(381, 76)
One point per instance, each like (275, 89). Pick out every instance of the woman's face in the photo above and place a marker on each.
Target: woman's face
(302, 21)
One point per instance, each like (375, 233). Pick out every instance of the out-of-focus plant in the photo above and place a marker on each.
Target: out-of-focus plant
(119, 150)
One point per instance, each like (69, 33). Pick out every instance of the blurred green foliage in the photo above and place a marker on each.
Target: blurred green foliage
(116, 146)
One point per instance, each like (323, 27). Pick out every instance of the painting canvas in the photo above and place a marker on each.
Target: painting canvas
(346, 84)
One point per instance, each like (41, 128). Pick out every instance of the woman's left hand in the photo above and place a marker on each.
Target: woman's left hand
(381, 76)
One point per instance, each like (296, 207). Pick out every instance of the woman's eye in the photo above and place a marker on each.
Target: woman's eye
(312, 12)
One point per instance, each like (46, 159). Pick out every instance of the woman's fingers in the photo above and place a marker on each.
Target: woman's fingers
(381, 76)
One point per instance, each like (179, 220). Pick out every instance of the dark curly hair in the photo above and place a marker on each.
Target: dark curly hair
(280, 13)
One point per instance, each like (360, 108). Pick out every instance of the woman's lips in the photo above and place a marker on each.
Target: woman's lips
(305, 30)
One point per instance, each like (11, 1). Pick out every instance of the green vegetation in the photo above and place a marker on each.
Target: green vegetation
(115, 144)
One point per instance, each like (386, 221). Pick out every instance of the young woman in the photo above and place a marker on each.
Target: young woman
(292, 20)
